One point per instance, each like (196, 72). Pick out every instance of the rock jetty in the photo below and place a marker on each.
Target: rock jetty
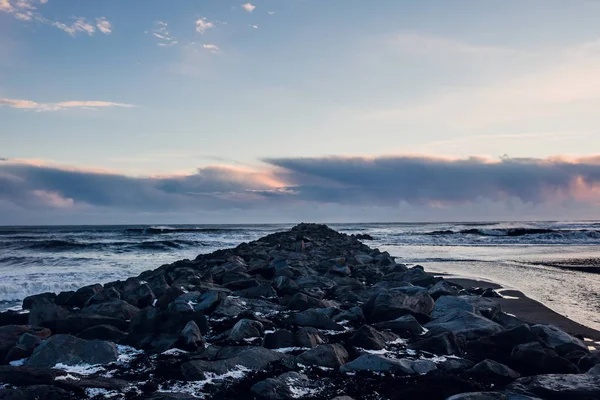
(305, 313)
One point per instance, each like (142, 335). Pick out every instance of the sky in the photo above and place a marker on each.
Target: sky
(218, 111)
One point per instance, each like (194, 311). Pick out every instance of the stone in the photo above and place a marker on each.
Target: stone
(115, 309)
(560, 341)
(42, 313)
(464, 323)
(533, 358)
(370, 338)
(209, 301)
(106, 295)
(10, 336)
(493, 369)
(442, 288)
(555, 386)
(446, 343)
(102, 332)
(76, 323)
(279, 339)
(405, 326)
(82, 295)
(307, 337)
(257, 292)
(472, 304)
(285, 286)
(43, 298)
(394, 303)
(246, 329)
(325, 355)
(11, 317)
(315, 319)
(190, 338)
(301, 302)
(589, 360)
(69, 350)
(379, 363)
(285, 386)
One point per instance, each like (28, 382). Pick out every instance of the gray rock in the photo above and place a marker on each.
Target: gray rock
(314, 319)
(42, 313)
(285, 285)
(325, 355)
(491, 368)
(209, 301)
(370, 338)
(42, 298)
(394, 303)
(442, 288)
(69, 350)
(307, 337)
(191, 338)
(533, 358)
(446, 343)
(554, 386)
(595, 370)
(472, 304)
(279, 339)
(102, 332)
(560, 341)
(246, 329)
(115, 309)
(405, 326)
(104, 296)
(466, 324)
(490, 396)
(378, 363)
(284, 387)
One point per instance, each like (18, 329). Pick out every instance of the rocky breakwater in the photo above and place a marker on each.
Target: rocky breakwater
(306, 313)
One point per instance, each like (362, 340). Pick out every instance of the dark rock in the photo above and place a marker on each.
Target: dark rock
(190, 338)
(81, 296)
(10, 336)
(209, 301)
(369, 338)
(533, 358)
(493, 369)
(446, 343)
(554, 386)
(230, 358)
(561, 342)
(405, 326)
(301, 302)
(589, 360)
(62, 299)
(36, 392)
(307, 337)
(314, 319)
(115, 309)
(499, 345)
(490, 396)
(69, 350)
(325, 355)
(246, 329)
(285, 286)
(25, 346)
(466, 324)
(46, 312)
(378, 363)
(354, 314)
(442, 288)
(394, 303)
(456, 364)
(284, 387)
(140, 297)
(229, 307)
(257, 292)
(11, 317)
(43, 298)
(106, 295)
(279, 339)
(102, 332)
(76, 323)
(472, 304)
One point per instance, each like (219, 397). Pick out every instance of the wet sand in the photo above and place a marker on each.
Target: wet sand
(529, 310)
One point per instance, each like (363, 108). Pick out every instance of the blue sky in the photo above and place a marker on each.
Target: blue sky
(145, 88)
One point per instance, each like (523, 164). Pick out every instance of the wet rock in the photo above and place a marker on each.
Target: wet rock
(229, 308)
(285, 285)
(285, 386)
(36, 392)
(11, 317)
(490, 396)
(307, 337)
(492, 369)
(533, 358)
(560, 341)
(466, 324)
(456, 364)
(589, 360)
(555, 386)
(42, 313)
(499, 345)
(115, 309)
(43, 298)
(394, 303)
(10, 336)
(69, 350)
(76, 323)
(315, 319)
(354, 314)
(246, 329)
(257, 292)
(231, 358)
(472, 304)
(279, 339)
(325, 355)
(595, 370)
(446, 343)
(405, 326)
(190, 338)
(102, 332)
(81, 296)
(369, 338)
(140, 297)
(209, 301)
(378, 363)
(442, 288)
(301, 302)
(106, 295)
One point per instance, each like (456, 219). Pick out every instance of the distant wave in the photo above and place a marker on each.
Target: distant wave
(167, 230)
(72, 245)
(515, 232)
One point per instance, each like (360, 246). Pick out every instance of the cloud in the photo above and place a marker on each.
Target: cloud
(162, 33)
(64, 105)
(433, 45)
(254, 26)
(26, 10)
(103, 25)
(248, 7)
(212, 47)
(202, 25)
(271, 12)
(300, 187)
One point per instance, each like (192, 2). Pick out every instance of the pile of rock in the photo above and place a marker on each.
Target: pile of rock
(306, 313)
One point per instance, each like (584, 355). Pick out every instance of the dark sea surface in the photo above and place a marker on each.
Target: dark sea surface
(557, 263)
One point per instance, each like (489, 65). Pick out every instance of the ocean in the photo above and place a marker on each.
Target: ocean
(556, 263)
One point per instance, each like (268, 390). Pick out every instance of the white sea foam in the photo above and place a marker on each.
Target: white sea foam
(80, 369)
(195, 388)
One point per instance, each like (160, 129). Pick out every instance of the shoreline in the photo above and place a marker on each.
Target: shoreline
(525, 308)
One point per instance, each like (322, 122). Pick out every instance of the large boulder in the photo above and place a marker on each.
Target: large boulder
(230, 358)
(370, 338)
(314, 319)
(43, 298)
(285, 386)
(472, 304)
(76, 323)
(394, 303)
(533, 358)
(378, 363)
(446, 343)
(464, 323)
(554, 386)
(42, 313)
(19, 340)
(246, 329)
(560, 341)
(442, 288)
(106, 295)
(405, 326)
(69, 350)
(115, 309)
(325, 355)
(493, 370)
